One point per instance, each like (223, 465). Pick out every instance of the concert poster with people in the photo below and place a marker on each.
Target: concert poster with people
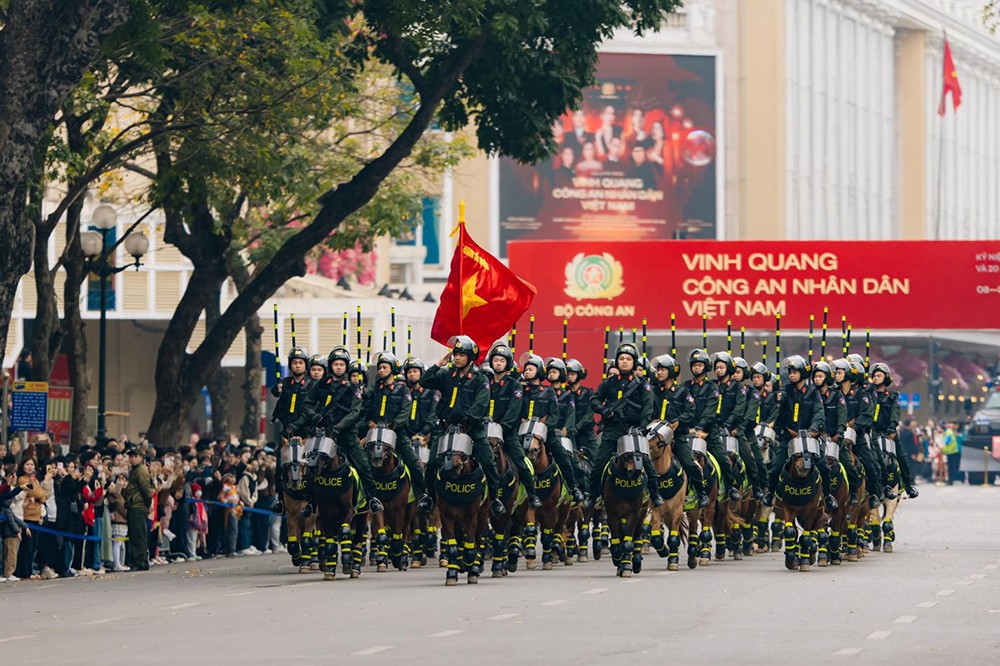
(635, 161)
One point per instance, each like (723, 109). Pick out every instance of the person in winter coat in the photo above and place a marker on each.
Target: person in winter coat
(33, 504)
(119, 521)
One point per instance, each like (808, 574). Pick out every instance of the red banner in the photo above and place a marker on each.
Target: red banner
(890, 285)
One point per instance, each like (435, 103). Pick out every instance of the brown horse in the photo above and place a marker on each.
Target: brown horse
(511, 487)
(462, 504)
(734, 527)
(292, 455)
(673, 486)
(550, 517)
(623, 491)
(342, 519)
(767, 533)
(392, 486)
(883, 535)
(700, 520)
(800, 489)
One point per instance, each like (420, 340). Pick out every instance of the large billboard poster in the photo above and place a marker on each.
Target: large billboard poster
(636, 161)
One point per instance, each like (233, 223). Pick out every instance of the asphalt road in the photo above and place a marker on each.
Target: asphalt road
(935, 600)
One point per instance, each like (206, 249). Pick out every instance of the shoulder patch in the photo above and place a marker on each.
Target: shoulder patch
(437, 397)
(518, 393)
(648, 387)
(690, 398)
(357, 394)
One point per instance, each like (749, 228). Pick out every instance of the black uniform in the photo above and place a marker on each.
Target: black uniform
(505, 408)
(586, 433)
(293, 402)
(673, 403)
(885, 422)
(465, 398)
(707, 406)
(391, 404)
(798, 409)
(751, 417)
(731, 413)
(339, 404)
(834, 426)
(860, 413)
(623, 401)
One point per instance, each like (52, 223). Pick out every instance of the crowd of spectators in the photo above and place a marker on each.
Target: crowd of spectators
(935, 449)
(126, 506)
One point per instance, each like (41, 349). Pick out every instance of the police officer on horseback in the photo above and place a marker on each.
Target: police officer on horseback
(563, 426)
(423, 415)
(850, 375)
(465, 397)
(835, 415)
(586, 437)
(623, 401)
(505, 407)
(732, 411)
(707, 408)
(799, 408)
(674, 404)
(391, 407)
(886, 419)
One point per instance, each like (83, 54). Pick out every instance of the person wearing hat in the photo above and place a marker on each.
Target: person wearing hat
(707, 403)
(291, 393)
(730, 411)
(673, 404)
(563, 426)
(623, 401)
(586, 433)
(391, 406)
(506, 400)
(465, 398)
(886, 420)
(138, 496)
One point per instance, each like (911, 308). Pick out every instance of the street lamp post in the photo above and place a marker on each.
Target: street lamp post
(94, 245)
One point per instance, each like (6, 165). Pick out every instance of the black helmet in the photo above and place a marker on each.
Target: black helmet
(795, 362)
(527, 358)
(845, 365)
(699, 356)
(727, 359)
(761, 369)
(556, 364)
(339, 353)
(742, 364)
(857, 374)
(463, 344)
(298, 353)
(390, 359)
(573, 365)
(360, 368)
(669, 363)
(824, 367)
(627, 348)
(412, 363)
(502, 350)
(884, 369)
(488, 371)
(316, 359)
(644, 362)
(856, 358)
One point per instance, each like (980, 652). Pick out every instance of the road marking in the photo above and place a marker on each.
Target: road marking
(104, 621)
(596, 590)
(18, 638)
(964, 582)
(945, 593)
(446, 633)
(373, 650)
(554, 602)
(45, 587)
(977, 576)
(187, 605)
(905, 619)
(927, 604)
(242, 594)
(503, 616)
(847, 652)
(879, 635)
(991, 567)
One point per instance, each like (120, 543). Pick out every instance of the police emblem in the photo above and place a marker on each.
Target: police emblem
(594, 276)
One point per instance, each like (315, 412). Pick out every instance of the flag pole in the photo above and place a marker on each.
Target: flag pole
(565, 326)
(357, 330)
(392, 320)
(644, 337)
(292, 315)
(604, 367)
(729, 336)
(822, 344)
(673, 334)
(277, 354)
(461, 237)
(531, 334)
(704, 332)
(343, 336)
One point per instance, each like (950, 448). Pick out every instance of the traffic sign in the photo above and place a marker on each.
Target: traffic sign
(915, 401)
(30, 406)
(904, 400)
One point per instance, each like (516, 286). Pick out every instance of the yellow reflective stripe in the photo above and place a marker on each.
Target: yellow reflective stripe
(291, 410)
(413, 411)
(877, 410)
(619, 395)
(454, 396)
(795, 414)
(718, 408)
(328, 399)
(531, 408)
(758, 413)
(381, 409)
(663, 410)
(493, 403)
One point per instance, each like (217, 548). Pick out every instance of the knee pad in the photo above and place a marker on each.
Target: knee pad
(584, 535)
(674, 542)
(789, 532)
(656, 541)
(823, 538)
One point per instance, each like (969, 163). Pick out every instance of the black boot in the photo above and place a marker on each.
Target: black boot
(734, 494)
(374, 505)
(426, 503)
(831, 503)
(889, 494)
(534, 502)
(577, 495)
(496, 507)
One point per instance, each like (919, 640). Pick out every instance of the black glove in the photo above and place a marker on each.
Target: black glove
(288, 432)
(455, 418)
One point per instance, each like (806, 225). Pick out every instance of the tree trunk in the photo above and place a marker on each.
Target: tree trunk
(218, 387)
(46, 335)
(253, 379)
(46, 47)
(76, 337)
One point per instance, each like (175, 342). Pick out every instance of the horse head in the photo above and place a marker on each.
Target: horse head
(494, 435)
(455, 448)
(832, 454)
(660, 436)
(380, 443)
(765, 439)
(532, 435)
(699, 451)
(632, 446)
(801, 450)
(294, 455)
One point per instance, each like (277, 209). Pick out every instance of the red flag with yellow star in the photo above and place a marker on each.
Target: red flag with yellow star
(482, 298)
(950, 81)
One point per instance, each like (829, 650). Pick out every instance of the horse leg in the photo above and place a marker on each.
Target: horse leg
(637, 550)
(823, 539)
(875, 527)
(530, 535)
(888, 529)
(582, 538)
(791, 549)
(805, 549)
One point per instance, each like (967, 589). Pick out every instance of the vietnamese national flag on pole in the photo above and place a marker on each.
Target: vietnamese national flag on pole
(950, 83)
(482, 298)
